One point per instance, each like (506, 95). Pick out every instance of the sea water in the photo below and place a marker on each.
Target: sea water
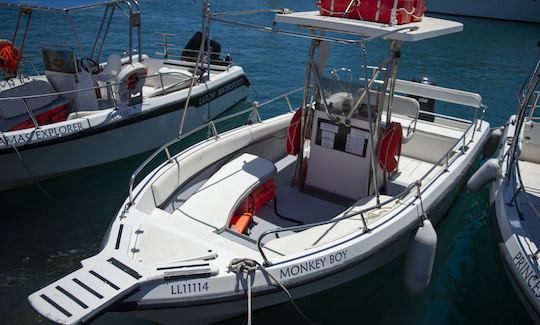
(45, 233)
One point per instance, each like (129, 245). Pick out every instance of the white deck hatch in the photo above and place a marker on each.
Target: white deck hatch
(428, 28)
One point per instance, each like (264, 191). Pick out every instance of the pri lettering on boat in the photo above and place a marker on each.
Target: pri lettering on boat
(123, 113)
(313, 265)
(42, 134)
(527, 272)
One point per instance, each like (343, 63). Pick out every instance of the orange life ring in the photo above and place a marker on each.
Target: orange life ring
(293, 134)
(390, 148)
(9, 55)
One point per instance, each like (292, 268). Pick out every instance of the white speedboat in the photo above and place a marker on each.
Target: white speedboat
(300, 202)
(517, 10)
(515, 195)
(78, 113)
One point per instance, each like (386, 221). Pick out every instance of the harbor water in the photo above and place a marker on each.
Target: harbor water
(47, 230)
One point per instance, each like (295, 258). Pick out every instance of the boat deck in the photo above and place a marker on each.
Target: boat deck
(530, 173)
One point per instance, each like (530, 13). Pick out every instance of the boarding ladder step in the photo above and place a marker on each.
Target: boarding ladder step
(86, 293)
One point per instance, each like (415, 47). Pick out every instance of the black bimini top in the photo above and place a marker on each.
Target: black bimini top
(58, 5)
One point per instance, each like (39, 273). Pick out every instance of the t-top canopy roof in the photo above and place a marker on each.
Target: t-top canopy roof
(427, 28)
(57, 5)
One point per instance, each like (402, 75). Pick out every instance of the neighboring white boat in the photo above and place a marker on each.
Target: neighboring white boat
(229, 223)
(518, 10)
(515, 195)
(80, 113)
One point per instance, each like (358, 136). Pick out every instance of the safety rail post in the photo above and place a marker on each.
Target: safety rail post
(168, 153)
(36, 124)
(289, 103)
(212, 129)
(534, 104)
(254, 116)
(475, 122)
(364, 223)
(165, 44)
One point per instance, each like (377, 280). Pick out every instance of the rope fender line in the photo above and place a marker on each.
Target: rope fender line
(247, 267)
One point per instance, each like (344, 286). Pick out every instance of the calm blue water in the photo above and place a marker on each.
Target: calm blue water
(44, 237)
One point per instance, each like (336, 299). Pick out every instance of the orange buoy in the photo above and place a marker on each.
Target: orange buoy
(9, 55)
(390, 148)
(293, 134)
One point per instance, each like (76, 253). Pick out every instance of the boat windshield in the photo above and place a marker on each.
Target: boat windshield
(341, 96)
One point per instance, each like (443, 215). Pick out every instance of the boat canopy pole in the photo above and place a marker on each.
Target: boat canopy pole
(130, 49)
(206, 21)
(74, 29)
(25, 12)
(299, 170)
(138, 24)
(110, 14)
(396, 54)
(370, 123)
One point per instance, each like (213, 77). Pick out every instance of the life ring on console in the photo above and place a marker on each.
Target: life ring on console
(390, 148)
(293, 134)
(9, 55)
(130, 81)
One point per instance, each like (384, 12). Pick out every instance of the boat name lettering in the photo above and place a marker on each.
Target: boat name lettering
(41, 134)
(122, 113)
(180, 289)
(313, 265)
(206, 98)
(527, 273)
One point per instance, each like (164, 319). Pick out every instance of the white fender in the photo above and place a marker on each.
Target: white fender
(492, 142)
(485, 174)
(419, 259)
(131, 80)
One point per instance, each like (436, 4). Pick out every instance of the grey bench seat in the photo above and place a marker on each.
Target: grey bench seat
(215, 201)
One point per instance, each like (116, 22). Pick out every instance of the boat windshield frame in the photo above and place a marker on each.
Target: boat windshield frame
(130, 8)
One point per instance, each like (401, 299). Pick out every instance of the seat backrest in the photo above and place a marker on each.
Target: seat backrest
(530, 150)
(114, 64)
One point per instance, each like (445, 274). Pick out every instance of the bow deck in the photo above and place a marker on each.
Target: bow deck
(85, 293)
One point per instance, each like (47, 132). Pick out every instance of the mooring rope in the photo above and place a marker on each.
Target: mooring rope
(248, 267)
(25, 166)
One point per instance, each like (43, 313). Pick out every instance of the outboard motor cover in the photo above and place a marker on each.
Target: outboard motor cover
(193, 45)
(426, 104)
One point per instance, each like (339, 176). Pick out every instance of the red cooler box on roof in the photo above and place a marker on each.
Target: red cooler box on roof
(378, 11)
(419, 10)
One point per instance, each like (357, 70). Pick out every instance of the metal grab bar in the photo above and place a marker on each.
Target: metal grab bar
(210, 125)
(459, 146)
(78, 90)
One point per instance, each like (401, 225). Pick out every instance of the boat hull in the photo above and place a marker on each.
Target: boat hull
(520, 271)
(203, 311)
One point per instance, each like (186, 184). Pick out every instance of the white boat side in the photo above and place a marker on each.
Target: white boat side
(79, 113)
(228, 219)
(515, 194)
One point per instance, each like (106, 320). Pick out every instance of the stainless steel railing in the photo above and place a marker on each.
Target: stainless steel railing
(446, 160)
(211, 126)
(32, 116)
